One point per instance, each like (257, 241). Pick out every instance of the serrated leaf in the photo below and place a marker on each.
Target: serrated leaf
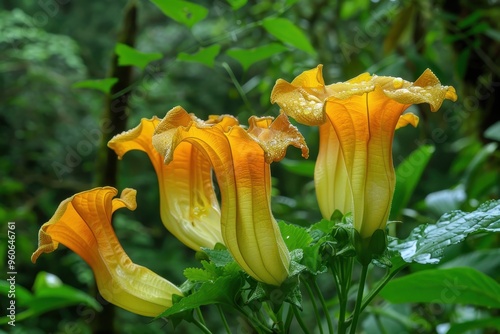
(325, 226)
(205, 56)
(129, 56)
(294, 236)
(237, 4)
(408, 174)
(426, 243)
(247, 57)
(287, 32)
(103, 85)
(313, 257)
(299, 167)
(198, 275)
(183, 12)
(222, 291)
(444, 286)
(220, 257)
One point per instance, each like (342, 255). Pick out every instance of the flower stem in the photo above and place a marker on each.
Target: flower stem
(202, 327)
(359, 298)
(302, 325)
(315, 307)
(224, 321)
(387, 277)
(342, 272)
(288, 320)
(200, 315)
(323, 305)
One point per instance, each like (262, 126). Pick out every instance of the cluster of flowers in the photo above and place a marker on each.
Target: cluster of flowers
(354, 173)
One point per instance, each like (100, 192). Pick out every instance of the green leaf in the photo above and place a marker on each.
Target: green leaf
(223, 290)
(237, 4)
(493, 132)
(470, 326)
(444, 286)
(426, 243)
(325, 225)
(470, 20)
(103, 85)
(183, 12)
(299, 167)
(445, 200)
(486, 261)
(220, 257)
(247, 57)
(130, 56)
(205, 56)
(287, 32)
(49, 294)
(408, 174)
(295, 237)
(198, 275)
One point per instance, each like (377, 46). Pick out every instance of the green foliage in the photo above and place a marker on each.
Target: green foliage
(446, 286)
(205, 56)
(103, 85)
(184, 12)
(130, 56)
(426, 243)
(408, 174)
(49, 293)
(247, 57)
(287, 32)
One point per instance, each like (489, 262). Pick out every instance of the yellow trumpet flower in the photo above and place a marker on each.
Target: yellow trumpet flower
(188, 205)
(83, 224)
(357, 120)
(241, 162)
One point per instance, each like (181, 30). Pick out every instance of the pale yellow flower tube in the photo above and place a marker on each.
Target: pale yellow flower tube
(83, 224)
(240, 160)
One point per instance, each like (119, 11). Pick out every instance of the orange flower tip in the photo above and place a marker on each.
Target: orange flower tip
(275, 136)
(408, 118)
(451, 94)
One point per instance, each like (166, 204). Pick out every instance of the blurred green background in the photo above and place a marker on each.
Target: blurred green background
(223, 57)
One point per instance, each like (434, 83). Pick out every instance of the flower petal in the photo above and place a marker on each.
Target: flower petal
(188, 204)
(408, 118)
(303, 98)
(83, 224)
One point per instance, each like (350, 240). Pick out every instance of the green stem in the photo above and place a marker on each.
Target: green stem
(359, 298)
(373, 293)
(302, 325)
(223, 317)
(315, 307)
(200, 315)
(323, 305)
(256, 323)
(202, 327)
(279, 317)
(342, 272)
(289, 318)
(238, 87)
